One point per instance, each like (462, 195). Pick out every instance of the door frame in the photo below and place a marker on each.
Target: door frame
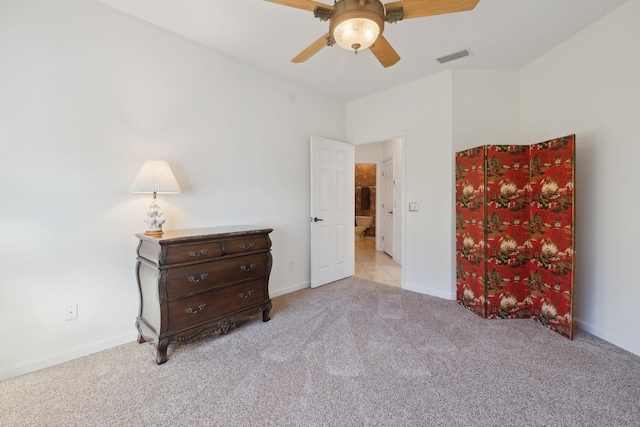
(388, 199)
(404, 209)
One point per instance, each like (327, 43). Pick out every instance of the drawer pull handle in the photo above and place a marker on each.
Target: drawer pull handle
(249, 246)
(247, 267)
(191, 311)
(193, 278)
(247, 295)
(197, 254)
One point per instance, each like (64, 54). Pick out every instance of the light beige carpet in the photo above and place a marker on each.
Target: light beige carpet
(352, 353)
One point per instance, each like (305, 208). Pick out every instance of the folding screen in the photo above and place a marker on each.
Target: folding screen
(515, 231)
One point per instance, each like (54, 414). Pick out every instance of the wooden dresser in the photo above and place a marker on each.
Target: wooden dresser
(199, 282)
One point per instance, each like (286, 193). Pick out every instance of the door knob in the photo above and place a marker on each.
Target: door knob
(316, 219)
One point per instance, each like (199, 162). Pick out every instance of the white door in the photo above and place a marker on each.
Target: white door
(387, 207)
(332, 210)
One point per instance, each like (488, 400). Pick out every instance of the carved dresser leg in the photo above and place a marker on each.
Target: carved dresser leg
(265, 312)
(161, 355)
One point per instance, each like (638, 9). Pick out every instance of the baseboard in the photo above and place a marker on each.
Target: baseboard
(617, 341)
(427, 291)
(613, 339)
(70, 355)
(129, 337)
(105, 344)
(287, 290)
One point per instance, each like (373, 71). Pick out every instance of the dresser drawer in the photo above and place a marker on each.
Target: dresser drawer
(207, 275)
(246, 244)
(194, 252)
(202, 308)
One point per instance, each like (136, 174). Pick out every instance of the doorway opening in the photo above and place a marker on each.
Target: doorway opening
(379, 191)
(366, 178)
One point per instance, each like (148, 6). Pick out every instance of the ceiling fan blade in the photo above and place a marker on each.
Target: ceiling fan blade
(419, 8)
(382, 50)
(311, 50)
(302, 4)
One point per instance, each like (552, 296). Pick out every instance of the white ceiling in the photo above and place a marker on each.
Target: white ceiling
(499, 33)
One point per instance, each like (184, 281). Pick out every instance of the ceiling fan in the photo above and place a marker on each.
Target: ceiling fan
(356, 25)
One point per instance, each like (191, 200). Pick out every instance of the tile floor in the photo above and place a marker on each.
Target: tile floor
(376, 266)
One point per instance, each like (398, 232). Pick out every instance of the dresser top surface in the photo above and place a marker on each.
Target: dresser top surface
(203, 233)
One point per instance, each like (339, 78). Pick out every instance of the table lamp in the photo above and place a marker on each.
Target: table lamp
(155, 177)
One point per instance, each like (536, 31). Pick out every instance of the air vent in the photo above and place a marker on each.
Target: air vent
(453, 56)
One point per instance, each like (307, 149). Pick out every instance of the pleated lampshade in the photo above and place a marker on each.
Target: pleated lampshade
(156, 176)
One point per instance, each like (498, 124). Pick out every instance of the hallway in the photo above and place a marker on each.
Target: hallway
(376, 266)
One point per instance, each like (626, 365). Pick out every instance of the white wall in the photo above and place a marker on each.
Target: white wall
(442, 114)
(87, 94)
(589, 86)
(485, 108)
(485, 111)
(369, 153)
(421, 113)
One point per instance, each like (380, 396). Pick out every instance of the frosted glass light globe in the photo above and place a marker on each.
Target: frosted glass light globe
(356, 34)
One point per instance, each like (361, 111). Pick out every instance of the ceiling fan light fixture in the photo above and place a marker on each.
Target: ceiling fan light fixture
(356, 25)
(356, 34)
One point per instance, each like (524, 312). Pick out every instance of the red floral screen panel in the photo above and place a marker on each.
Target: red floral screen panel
(507, 232)
(552, 233)
(514, 231)
(470, 214)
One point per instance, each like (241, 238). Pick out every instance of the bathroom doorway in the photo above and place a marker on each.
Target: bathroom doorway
(366, 177)
(378, 196)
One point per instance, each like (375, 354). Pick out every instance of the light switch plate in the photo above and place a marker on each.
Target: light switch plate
(413, 206)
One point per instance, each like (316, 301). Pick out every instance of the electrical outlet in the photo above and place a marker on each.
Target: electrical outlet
(71, 311)
(291, 265)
